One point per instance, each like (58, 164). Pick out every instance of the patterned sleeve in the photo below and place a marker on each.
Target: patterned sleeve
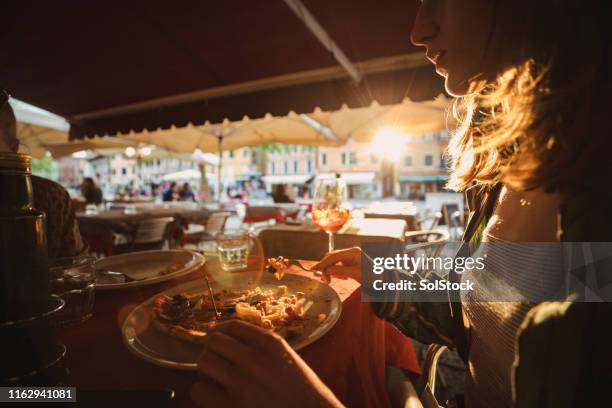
(426, 322)
(63, 235)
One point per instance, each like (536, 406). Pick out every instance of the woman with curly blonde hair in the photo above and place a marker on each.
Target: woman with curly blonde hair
(532, 152)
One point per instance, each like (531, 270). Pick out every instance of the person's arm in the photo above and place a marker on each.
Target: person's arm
(243, 365)
(426, 322)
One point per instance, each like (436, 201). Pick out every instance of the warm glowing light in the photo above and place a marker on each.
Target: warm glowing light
(48, 154)
(389, 143)
(81, 154)
(145, 151)
(130, 151)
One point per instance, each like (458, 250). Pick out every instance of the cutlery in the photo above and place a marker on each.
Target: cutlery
(113, 273)
(297, 263)
(212, 298)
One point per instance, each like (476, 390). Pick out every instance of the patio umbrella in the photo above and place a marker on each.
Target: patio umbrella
(41, 132)
(39, 141)
(409, 118)
(228, 135)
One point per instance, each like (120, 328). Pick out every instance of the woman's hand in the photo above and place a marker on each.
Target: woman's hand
(244, 365)
(343, 264)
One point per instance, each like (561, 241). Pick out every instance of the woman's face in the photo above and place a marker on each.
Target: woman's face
(456, 34)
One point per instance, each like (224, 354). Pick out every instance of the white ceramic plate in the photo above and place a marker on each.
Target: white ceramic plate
(147, 343)
(147, 267)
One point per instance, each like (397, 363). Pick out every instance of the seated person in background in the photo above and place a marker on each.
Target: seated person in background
(186, 193)
(169, 193)
(63, 235)
(279, 194)
(91, 193)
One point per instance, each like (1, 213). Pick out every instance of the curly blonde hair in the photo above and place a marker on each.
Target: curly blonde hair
(543, 122)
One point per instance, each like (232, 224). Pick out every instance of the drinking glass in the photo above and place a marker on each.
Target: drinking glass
(91, 209)
(74, 279)
(233, 248)
(329, 208)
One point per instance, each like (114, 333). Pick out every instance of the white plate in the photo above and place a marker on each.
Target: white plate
(147, 265)
(149, 344)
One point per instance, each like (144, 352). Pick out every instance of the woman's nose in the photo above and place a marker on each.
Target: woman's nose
(425, 29)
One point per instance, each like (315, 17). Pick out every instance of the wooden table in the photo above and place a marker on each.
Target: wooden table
(350, 358)
(119, 216)
(307, 241)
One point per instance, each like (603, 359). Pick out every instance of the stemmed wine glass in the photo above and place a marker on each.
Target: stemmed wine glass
(329, 209)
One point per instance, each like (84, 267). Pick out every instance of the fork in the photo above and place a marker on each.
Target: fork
(297, 263)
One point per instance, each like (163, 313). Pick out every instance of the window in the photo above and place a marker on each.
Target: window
(352, 158)
(444, 161)
(273, 168)
(309, 166)
(254, 157)
(344, 159)
(286, 167)
(123, 171)
(428, 137)
(245, 152)
(295, 148)
(287, 149)
(428, 160)
(231, 154)
(408, 161)
(373, 158)
(324, 159)
(296, 167)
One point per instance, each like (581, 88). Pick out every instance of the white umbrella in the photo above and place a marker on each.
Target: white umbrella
(409, 118)
(290, 129)
(189, 174)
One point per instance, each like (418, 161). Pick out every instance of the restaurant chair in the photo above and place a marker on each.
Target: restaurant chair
(407, 392)
(430, 222)
(451, 217)
(428, 241)
(214, 224)
(148, 234)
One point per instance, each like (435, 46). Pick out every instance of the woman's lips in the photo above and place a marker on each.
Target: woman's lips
(435, 56)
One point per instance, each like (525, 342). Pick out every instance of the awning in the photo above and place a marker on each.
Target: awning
(407, 117)
(358, 177)
(113, 68)
(286, 179)
(290, 129)
(422, 179)
(354, 177)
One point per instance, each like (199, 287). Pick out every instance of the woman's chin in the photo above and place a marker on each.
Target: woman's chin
(456, 88)
(459, 88)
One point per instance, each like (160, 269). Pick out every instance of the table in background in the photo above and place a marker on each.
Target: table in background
(307, 241)
(394, 210)
(350, 358)
(99, 229)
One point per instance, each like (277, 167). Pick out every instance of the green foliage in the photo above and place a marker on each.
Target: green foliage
(45, 167)
(272, 147)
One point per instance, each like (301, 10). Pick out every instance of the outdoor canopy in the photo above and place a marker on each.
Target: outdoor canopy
(113, 67)
(317, 128)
